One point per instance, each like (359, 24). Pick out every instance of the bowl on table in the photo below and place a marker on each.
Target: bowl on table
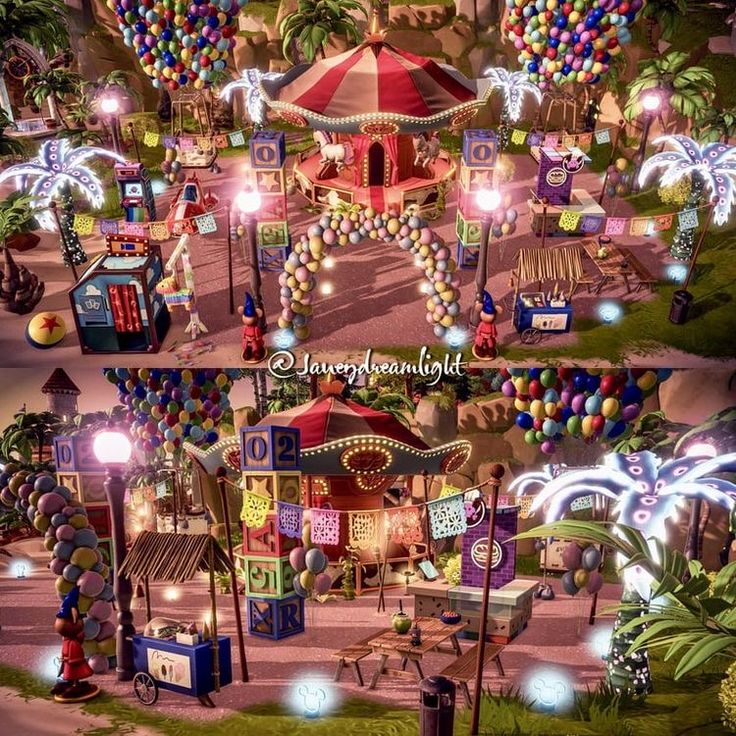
(450, 618)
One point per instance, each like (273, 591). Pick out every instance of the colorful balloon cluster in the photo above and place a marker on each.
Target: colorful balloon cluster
(167, 406)
(412, 233)
(560, 42)
(504, 220)
(76, 558)
(310, 563)
(171, 167)
(582, 569)
(179, 43)
(595, 404)
(618, 182)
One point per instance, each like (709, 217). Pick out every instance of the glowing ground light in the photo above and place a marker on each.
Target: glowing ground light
(551, 689)
(47, 666)
(599, 641)
(284, 339)
(172, 594)
(20, 569)
(609, 312)
(328, 262)
(312, 696)
(326, 288)
(456, 337)
(676, 272)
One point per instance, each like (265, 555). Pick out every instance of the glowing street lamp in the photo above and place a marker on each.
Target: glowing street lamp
(110, 107)
(113, 449)
(488, 201)
(248, 201)
(650, 104)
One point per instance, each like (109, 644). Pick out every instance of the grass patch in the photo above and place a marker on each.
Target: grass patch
(263, 9)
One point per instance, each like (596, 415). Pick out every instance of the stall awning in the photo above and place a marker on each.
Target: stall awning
(564, 263)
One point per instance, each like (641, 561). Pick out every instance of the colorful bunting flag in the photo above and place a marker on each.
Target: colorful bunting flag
(135, 228)
(615, 225)
(535, 139)
(109, 227)
(237, 138)
(448, 490)
(688, 219)
(204, 143)
(151, 139)
(518, 137)
(363, 529)
(591, 223)
(159, 231)
(447, 516)
(581, 503)
(137, 497)
(169, 141)
(568, 141)
(163, 488)
(585, 140)
(186, 143)
(325, 526)
(206, 224)
(603, 136)
(255, 509)
(569, 221)
(149, 493)
(290, 519)
(639, 226)
(551, 140)
(220, 141)
(662, 222)
(84, 224)
(404, 525)
(525, 506)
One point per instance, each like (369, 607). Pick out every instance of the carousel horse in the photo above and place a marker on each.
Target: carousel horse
(426, 150)
(341, 154)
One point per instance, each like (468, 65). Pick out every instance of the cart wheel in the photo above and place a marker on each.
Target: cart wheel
(531, 336)
(145, 688)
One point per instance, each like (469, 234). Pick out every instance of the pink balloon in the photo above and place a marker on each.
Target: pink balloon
(296, 558)
(595, 582)
(65, 533)
(99, 664)
(100, 610)
(91, 583)
(322, 584)
(572, 556)
(107, 629)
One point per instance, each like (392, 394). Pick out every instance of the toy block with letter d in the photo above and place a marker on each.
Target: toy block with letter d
(285, 487)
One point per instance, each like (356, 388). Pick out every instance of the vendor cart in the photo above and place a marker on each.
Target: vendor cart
(187, 669)
(534, 312)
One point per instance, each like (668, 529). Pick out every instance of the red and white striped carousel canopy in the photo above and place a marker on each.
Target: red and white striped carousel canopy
(375, 83)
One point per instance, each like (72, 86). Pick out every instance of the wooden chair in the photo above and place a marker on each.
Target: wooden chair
(462, 670)
(352, 655)
(645, 280)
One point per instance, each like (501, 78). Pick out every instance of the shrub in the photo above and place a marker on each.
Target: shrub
(453, 569)
(727, 696)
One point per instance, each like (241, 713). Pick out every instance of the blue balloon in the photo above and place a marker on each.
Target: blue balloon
(631, 395)
(534, 373)
(524, 420)
(592, 383)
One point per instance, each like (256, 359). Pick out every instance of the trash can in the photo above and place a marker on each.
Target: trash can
(681, 301)
(436, 706)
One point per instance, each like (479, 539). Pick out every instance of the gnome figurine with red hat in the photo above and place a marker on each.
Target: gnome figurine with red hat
(484, 346)
(74, 670)
(254, 350)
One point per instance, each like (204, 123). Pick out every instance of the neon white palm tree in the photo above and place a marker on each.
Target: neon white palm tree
(711, 167)
(56, 171)
(646, 492)
(514, 87)
(250, 83)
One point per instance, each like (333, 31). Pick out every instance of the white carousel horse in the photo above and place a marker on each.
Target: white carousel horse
(341, 154)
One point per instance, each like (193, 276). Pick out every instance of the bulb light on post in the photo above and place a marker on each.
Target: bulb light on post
(248, 201)
(110, 106)
(488, 201)
(650, 104)
(113, 449)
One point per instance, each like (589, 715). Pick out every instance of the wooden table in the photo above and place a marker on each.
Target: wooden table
(434, 635)
(616, 266)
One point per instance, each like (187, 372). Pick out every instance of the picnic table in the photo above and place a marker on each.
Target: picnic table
(434, 635)
(612, 268)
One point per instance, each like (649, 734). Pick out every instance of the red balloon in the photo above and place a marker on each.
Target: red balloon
(538, 424)
(578, 49)
(612, 43)
(172, 420)
(551, 54)
(567, 8)
(623, 8)
(598, 423)
(179, 67)
(536, 390)
(227, 31)
(608, 385)
(195, 392)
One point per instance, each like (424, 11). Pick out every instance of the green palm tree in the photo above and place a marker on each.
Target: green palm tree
(41, 23)
(313, 22)
(715, 124)
(52, 86)
(667, 14)
(30, 433)
(8, 146)
(688, 90)
(390, 402)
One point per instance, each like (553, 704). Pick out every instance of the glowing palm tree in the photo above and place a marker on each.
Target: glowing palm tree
(711, 167)
(514, 87)
(647, 493)
(56, 170)
(250, 82)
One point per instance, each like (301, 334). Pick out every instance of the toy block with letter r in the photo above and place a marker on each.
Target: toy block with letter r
(267, 149)
(269, 448)
(275, 618)
(268, 577)
(285, 487)
(265, 541)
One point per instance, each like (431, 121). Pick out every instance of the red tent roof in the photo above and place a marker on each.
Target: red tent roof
(60, 383)
(329, 418)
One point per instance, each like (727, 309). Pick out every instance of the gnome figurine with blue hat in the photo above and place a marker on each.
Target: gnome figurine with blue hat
(254, 350)
(74, 670)
(484, 346)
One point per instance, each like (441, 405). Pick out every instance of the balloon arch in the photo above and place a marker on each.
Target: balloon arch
(347, 224)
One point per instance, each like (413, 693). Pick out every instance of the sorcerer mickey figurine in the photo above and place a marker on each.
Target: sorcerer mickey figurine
(484, 346)
(74, 669)
(254, 350)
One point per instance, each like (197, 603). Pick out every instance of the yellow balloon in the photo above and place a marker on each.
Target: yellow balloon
(283, 323)
(587, 426)
(521, 405)
(186, 375)
(647, 381)
(536, 409)
(447, 321)
(609, 407)
(301, 333)
(550, 408)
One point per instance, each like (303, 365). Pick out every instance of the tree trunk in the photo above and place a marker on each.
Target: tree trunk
(683, 241)
(164, 105)
(691, 545)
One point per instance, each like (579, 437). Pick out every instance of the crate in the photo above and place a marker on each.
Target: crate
(555, 548)
(269, 448)
(499, 630)
(265, 541)
(275, 618)
(480, 148)
(467, 230)
(75, 455)
(285, 487)
(430, 598)
(268, 577)
(267, 149)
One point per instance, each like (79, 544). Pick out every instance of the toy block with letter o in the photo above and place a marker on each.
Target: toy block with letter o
(479, 148)
(267, 149)
(74, 454)
(274, 618)
(269, 448)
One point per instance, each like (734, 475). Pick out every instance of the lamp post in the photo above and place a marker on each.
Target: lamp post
(112, 449)
(488, 201)
(497, 472)
(248, 202)
(110, 106)
(650, 103)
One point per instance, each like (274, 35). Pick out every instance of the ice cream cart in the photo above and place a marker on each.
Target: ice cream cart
(536, 314)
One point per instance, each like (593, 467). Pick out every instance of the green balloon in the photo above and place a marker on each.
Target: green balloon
(172, 407)
(541, 436)
(548, 378)
(144, 406)
(574, 425)
(530, 437)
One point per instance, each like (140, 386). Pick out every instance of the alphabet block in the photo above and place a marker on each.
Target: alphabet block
(467, 230)
(268, 577)
(285, 487)
(479, 148)
(269, 448)
(474, 179)
(265, 541)
(267, 149)
(75, 454)
(275, 618)
(273, 207)
(270, 181)
(273, 234)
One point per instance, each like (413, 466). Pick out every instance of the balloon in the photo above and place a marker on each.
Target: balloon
(572, 556)
(91, 584)
(299, 589)
(99, 664)
(581, 577)
(316, 560)
(591, 558)
(306, 579)
(100, 610)
(595, 582)
(91, 628)
(322, 584)
(296, 558)
(568, 583)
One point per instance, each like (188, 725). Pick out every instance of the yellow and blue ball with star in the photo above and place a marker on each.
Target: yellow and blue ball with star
(45, 329)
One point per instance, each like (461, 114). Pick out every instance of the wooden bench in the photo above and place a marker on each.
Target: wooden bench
(643, 276)
(462, 670)
(353, 654)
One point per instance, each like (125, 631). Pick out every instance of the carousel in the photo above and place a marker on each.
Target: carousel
(375, 111)
(353, 458)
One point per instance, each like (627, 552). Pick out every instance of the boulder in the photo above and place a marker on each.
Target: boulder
(437, 426)
(457, 38)
(480, 12)
(423, 17)
(419, 42)
(496, 415)
(251, 51)
(692, 396)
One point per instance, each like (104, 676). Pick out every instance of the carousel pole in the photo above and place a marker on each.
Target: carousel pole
(221, 480)
(213, 616)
